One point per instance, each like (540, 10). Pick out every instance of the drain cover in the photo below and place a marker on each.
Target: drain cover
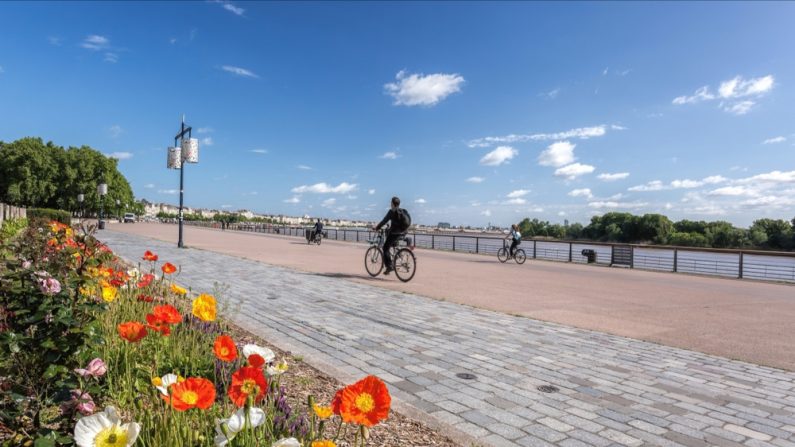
(548, 389)
(466, 376)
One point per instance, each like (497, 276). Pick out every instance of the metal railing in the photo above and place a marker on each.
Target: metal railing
(748, 264)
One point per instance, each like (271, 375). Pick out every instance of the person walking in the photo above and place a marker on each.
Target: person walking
(399, 222)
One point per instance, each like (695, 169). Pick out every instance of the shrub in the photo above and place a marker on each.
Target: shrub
(37, 215)
(11, 228)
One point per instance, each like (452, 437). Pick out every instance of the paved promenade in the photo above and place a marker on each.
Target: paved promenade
(609, 390)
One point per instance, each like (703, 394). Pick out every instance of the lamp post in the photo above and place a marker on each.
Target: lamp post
(185, 150)
(102, 189)
(80, 198)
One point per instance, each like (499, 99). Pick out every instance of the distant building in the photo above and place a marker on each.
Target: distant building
(443, 225)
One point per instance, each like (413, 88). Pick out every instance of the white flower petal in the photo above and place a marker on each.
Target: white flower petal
(87, 427)
(287, 442)
(237, 421)
(265, 353)
(133, 428)
(256, 416)
(112, 415)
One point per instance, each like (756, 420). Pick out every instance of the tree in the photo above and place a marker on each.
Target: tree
(574, 231)
(778, 233)
(654, 228)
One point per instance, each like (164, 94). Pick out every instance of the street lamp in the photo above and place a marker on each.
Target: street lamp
(185, 150)
(80, 198)
(102, 189)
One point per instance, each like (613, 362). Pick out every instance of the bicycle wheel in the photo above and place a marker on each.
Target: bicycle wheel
(373, 261)
(405, 264)
(502, 254)
(318, 240)
(519, 256)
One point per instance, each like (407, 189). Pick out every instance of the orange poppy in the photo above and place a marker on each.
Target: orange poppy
(132, 331)
(145, 298)
(167, 314)
(224, 348)
(168, 268)
(256, 360)
(149, 256)
(146, 279)
(194, 392)
(156, 324)
(366, 402)
(336, 403)
(247, 381)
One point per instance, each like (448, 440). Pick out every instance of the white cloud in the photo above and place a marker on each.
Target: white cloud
(730, 92)
(775, 140)
(115, 130)
(259, 151)
(168, 191)
(391, 155)
(476, 179)
(121, 155)
(111, 57)
(486, 213)
(713, 179)
(732, 191)
(552, 94)
(583, 192)
(770, 177)
(304, 167)
(324, 188)
(582, 133)
(654, 185)
(234, 9)
(204, 130)
(238, 71)
(702, 94)
(294, 199)
(499, 156)
(739, 87)
(207, 141)
(420, 201)
(515, 201)
(657, 185)
(557, 154)
(95, 42)
(518, 193)
(574, 170)
(739, 108)
(613, 177)
(611, 204)
(149, 185)
(371, 191)
(418, 89)
(226, 206)
(328, 202)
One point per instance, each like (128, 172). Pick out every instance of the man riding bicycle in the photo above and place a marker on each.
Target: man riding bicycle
(516, 238)
(400, 221)
(317, 230)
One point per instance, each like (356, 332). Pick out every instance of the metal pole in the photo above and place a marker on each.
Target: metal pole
(180, 244)
(740, 275)
(676, 260)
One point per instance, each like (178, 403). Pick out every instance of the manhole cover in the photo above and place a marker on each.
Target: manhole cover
(548, 389)
(466, 376)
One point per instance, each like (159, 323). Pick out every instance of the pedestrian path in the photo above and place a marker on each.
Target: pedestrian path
(502, 379)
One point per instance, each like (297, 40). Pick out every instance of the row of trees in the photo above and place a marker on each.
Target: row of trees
(778, 234)
(45, 175)
(218, 217)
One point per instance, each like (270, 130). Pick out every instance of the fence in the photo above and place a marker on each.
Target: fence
(11, 212)
(748, 264)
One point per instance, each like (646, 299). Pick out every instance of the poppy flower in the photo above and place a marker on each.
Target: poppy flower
(167, 314)
(265, 353)
(204, 307)
(146, 279)
(149, 256)
(247, 381)
(178, 290)
(227, 429)
(256, 361)
(145, 298)
(366, 402)
(162, 383)
(109, 293)
(224, 348)
(194, 392)
(158, 325)
(168, 268)
(322, 412)
(132, 331)
(324, 443)
(105, 429)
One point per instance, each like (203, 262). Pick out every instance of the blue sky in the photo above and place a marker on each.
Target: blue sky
(470, 112)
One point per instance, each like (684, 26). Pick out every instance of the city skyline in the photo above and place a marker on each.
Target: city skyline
(470, 112)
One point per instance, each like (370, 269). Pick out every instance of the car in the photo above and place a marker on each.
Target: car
(129, 217)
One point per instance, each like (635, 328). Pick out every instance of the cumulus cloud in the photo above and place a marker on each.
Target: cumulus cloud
(657, 185)
(737, 95)
(557, 154)
(229, 6)
(207, 141)
(204, 130)
(732, 191)
(515, 201)
(115, 130)
(391, 155)
(294, 199)
(499, 156)
(574, 170)
(168, 191)
(121, 155)
(238, 71)
(371, 191)
(259, 151)
(324, 188)
(518, 193)
(95, 42)
(775, 140)
(612, 177)
(486, 213)
(304, 167)
(582, 133)
(702, 94)
(422, 90)
(420, 201)
(476, 179)
(328, 202)
(583, 192)
(612, 204)
(149, 185)
(738, 108)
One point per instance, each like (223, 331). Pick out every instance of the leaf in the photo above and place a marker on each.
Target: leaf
(54, 370)
(44, 442)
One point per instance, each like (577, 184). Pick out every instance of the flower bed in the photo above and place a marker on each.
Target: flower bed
(96, 354)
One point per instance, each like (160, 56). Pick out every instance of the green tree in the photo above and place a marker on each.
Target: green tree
(778, 233)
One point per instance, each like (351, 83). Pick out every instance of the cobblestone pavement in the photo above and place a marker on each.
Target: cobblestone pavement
(610, 390)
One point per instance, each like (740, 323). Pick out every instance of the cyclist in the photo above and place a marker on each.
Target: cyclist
(400, 221)
(515, 236)
(318, 230)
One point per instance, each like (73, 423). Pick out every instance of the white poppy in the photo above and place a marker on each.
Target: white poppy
(227, 429)
(164, 382)
(105, 430)
(275, 370)
(265, 353)
(287, 442)
(134, 274)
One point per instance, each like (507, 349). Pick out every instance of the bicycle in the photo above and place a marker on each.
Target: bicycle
(504, 254)
(404, 263)
(315, 237)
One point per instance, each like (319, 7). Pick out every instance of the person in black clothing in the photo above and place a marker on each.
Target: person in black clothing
(396, 231)
(318, 229)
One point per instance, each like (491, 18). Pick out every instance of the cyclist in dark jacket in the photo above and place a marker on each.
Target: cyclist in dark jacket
(396, 231)
(318, 229)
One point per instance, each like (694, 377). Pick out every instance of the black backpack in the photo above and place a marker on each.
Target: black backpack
(403, 220)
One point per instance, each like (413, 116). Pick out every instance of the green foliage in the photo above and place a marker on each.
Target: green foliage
(11, 228)
(46, 215)
(35, 174)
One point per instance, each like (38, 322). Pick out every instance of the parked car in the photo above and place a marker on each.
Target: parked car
(129, 217)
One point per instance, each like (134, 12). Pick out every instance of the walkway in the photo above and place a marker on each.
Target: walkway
(610, 390)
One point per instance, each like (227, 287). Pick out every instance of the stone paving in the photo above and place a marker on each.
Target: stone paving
(610, 390)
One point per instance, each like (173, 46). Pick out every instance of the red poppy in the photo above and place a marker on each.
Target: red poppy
(224, 348)
(193, 392)
(145, 280)
(256, 361)
(247, 381)
(366, 402)
(149, 256)
(145, 298)
(168, 268)
(336, 403)
(132, 331)
(167, 314)
(156, 324)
